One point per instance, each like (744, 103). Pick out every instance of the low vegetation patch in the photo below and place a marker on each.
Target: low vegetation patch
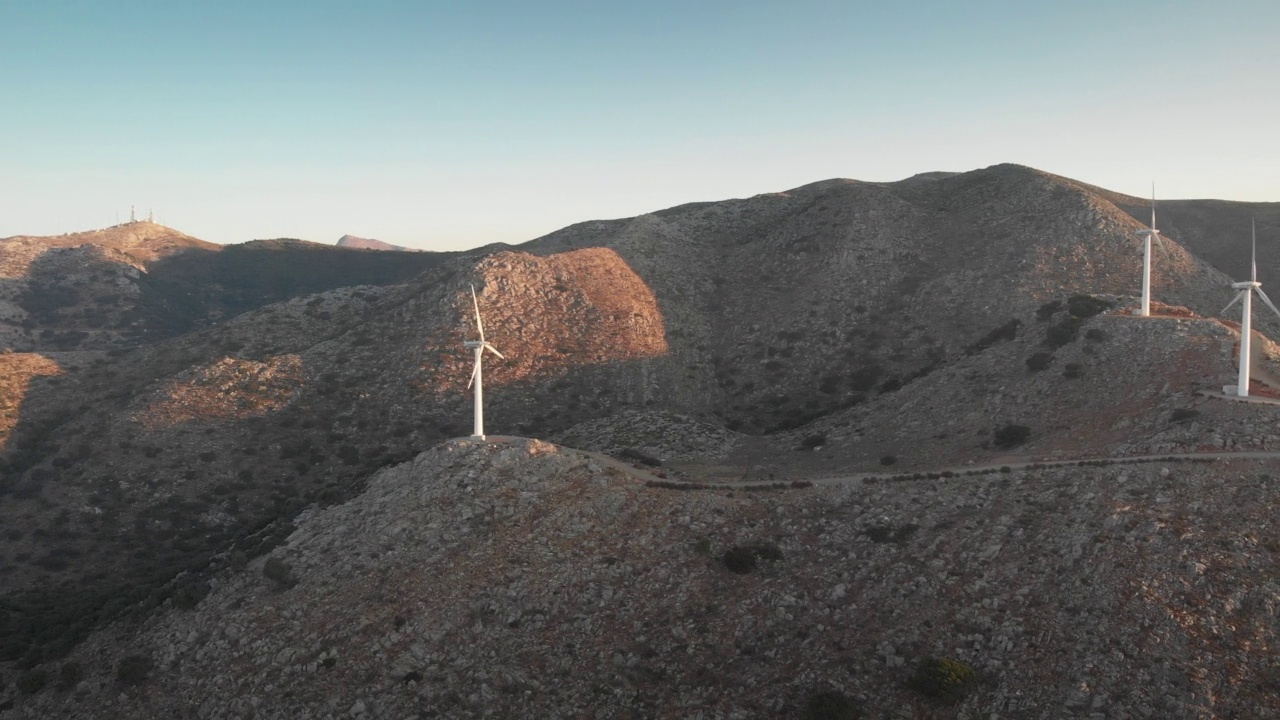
(1039, 361)
(896, 534)
(1005, 332)
(134, 670)
(831, 705)
(1011, 436)
(635, 455)
(742, 559)
(943, 680)
(1086, 306)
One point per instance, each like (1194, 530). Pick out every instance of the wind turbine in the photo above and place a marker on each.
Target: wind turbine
(1147, 235)
(1245, 298)
(477, 379)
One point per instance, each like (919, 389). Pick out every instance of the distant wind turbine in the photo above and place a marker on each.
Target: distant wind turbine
(477, 378)
(1147, 235)
(1245, 297)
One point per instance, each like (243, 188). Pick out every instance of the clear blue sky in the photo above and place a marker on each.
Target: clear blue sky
(447, 125)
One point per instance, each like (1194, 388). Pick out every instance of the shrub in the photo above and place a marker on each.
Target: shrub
(279, 573)
(739, 560)
(1039, 361)
(1012, 435)
(70, 675)
(742, 559)
(898, 535)
(1007, 331)
(1073, 371)
(1048, 309)
(1086, 306)
(1184, 414)
(942, 679)
(813, 441)
(133, 670)
(888, 459)
(1062, 333)
(32, 682)
(637, 456)
(1095, 335)
(831, 705)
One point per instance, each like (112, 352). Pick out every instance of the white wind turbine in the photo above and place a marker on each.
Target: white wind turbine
(1147, 235)
(477, 379)
(1245, 297)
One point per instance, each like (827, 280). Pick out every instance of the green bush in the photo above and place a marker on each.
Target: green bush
(739, 560)
(813, 441)
(636, 456)
(70, 675)
(134, 670)
(1184, 414)
(1086, 306)
(1011, 435)
(1095, 335)
(279, 573)
(32, 682)
(1073, 371)
(1039, 361)
(1048, 310)
(831, 705)
(742, 559)
(1007, 331)
(896, 534)
(888, 459)
(1063, 332)
(942, 679)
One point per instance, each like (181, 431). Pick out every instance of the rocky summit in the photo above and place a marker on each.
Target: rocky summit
(521, 579)
(854, 449)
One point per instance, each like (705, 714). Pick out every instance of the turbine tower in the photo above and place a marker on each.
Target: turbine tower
(477, 378)
(1245, 298)
(1147, 235)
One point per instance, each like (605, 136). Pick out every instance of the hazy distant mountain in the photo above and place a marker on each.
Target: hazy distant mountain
(359, 243)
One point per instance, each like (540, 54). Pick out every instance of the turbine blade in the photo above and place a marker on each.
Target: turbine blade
(476, 303)
(1254, 223)
(1233, 302)
(1153, 204)
(474, 373)
(1267, 300)
(1160, 242)
(494, 350)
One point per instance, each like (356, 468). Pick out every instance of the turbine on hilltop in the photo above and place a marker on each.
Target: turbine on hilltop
(1245, 297)
(1147, 235)
(477, 377)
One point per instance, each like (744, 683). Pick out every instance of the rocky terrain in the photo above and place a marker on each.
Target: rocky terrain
(521, 579)
(956, 321)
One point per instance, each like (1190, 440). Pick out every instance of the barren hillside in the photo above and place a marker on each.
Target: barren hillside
(521, 579)
(810, 332)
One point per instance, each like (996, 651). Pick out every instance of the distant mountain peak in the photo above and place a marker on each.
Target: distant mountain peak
(359, 243)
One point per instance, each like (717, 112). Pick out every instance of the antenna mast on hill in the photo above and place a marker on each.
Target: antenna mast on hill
(132, 216)
(151, 216)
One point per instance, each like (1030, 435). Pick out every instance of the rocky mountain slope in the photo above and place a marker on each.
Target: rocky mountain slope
(521, 579)
(141, 282)
(807, 332)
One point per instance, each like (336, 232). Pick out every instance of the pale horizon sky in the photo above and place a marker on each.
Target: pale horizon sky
(445, 126)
